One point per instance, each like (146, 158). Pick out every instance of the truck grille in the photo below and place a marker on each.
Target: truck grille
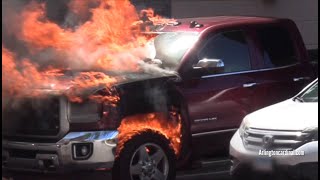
(260, 139)
(32, 117)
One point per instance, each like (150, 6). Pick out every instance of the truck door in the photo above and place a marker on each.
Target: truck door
(217, 102)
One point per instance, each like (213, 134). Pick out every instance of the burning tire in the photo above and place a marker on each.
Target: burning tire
(147, 155)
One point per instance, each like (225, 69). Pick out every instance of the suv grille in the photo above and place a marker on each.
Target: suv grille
(32, 117)
(259, 139)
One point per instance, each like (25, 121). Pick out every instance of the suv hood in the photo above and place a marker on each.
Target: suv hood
(286, 115)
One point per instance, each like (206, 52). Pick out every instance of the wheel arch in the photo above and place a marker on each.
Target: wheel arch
(174, 99)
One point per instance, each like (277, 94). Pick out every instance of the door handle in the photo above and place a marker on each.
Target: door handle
(248, 85)
(300, 79)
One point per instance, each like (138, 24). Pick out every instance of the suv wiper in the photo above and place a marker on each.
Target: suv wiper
(298, 99)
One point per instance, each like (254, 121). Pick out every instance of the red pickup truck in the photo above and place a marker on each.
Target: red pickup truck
(225, 67)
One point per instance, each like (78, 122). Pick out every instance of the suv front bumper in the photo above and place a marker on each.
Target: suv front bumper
(60, 156)
(244, 160)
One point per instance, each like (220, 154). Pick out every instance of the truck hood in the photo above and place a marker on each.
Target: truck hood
(286, 115)
(133, 77)
(123, 79)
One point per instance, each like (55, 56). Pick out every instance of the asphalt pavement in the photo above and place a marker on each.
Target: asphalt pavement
(217, 170)
(107, 176)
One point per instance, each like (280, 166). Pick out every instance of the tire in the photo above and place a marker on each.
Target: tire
(145, 157)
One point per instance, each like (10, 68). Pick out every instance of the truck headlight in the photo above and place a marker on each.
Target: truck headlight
(315, 136)
(313, 133)
(85, 112)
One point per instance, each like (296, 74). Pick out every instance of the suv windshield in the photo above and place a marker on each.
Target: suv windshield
(310, 95)
(171, 46)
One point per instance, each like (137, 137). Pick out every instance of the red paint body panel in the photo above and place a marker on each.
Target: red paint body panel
(220, 102)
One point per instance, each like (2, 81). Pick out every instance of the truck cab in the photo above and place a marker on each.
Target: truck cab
(224, 68)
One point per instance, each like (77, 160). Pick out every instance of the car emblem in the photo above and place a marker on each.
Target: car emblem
(267, 141)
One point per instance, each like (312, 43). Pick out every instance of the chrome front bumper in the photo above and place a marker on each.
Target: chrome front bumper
(55, 157)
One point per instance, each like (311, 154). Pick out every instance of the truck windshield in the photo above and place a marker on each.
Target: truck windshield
(165, 49)
(310, 95)
(170, 47)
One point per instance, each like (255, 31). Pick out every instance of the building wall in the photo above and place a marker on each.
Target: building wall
(304, 13)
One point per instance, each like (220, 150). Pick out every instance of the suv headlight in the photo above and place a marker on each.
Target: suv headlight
(243, 127)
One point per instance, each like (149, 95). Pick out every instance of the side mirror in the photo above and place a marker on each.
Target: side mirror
(209, 66)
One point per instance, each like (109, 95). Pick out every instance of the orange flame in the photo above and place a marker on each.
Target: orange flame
(87, 80)
(157, 122)
(109, 40)
(39, 32)
(105, 41)
(21, 82)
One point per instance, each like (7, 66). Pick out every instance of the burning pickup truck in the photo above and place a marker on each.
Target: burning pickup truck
(184, 102)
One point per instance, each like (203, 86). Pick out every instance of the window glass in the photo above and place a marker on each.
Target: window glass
(170, 47)
(277, 47)
(230, 47)
(311, 95)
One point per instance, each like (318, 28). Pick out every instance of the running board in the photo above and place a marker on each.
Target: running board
(215, 162)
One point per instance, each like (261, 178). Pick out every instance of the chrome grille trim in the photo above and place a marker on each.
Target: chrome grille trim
(281, 140)
(275, 133)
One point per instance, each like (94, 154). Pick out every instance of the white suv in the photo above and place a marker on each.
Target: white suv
(280, 138)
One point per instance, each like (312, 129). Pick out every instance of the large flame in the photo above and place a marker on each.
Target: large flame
(109, 40)
(106, 37)
(106, 41)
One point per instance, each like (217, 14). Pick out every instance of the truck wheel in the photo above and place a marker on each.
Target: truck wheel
(146, 156)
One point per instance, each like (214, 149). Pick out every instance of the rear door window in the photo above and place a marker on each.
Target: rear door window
(277, 47)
